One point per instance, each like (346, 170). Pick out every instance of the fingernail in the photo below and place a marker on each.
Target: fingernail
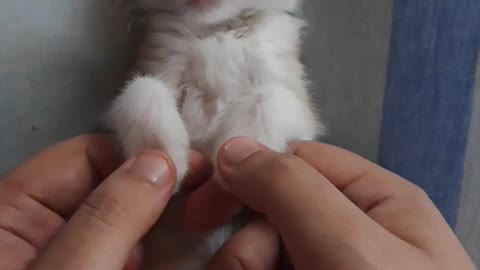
(152, 166)
(239, 149)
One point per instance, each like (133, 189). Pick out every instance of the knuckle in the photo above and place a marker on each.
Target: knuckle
(418, 195)
(16, 217)
(105, 209)
(16, 253)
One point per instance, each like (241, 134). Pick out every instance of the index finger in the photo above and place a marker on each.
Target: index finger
(387, 198)
(366, 184)
(363, 182)
(61, 176)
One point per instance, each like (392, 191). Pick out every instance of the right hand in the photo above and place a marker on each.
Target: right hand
(332, 209)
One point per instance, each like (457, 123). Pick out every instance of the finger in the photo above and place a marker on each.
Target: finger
(102, 233)
(135, 260)
(36, 194)
(387, 198)
(255, 247)
(209, 207)
(260, 177)
(310, 213)
(27, 224)
(60, 177)
(199, 170)
(16, 253)
(363, 182)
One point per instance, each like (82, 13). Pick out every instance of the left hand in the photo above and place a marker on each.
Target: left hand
(58, 212)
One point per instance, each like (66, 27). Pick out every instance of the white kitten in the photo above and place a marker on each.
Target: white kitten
(211, 70)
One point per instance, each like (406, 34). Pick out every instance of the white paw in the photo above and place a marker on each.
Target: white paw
(145, 116)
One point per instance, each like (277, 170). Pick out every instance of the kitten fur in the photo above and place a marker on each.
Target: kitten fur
(210, 70)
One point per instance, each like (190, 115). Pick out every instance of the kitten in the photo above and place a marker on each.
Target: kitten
(211, 70)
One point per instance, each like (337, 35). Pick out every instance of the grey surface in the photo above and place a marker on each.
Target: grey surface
(61, 60)
(347, 53)
(468, 228)
(58, 62)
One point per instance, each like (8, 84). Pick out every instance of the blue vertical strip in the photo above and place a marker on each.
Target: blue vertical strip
(428, 98)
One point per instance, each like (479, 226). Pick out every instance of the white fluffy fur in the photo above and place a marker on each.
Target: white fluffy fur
(207, 76)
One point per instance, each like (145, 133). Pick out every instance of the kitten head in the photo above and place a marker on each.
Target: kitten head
(211, 11)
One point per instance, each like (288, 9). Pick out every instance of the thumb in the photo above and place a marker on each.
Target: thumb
(104, 230)
(267, 181)
(315, 220)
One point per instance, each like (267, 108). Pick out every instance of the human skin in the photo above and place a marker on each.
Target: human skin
(74, 206)
(70, 207)
(331, 208)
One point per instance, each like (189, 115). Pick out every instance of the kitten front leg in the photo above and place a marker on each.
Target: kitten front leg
(145, 116)
(272, 115)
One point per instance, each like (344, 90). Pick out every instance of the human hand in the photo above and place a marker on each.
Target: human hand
(56, 212)
(332, 209)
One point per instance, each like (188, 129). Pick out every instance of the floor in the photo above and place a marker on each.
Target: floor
(61, 60)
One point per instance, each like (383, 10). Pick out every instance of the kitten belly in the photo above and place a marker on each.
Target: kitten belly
(220, 73)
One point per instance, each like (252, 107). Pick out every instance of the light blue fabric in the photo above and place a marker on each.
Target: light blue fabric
(428, 98)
